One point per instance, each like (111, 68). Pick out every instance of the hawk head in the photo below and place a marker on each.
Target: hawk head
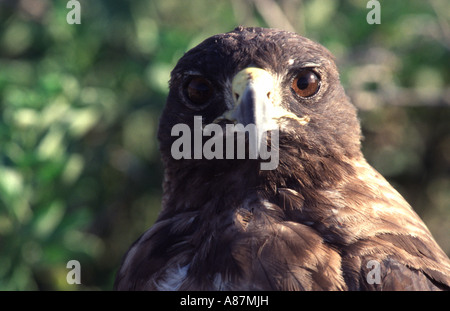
(274, 79)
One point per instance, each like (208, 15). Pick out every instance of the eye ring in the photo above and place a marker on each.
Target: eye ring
(198, 90)
(306, 83)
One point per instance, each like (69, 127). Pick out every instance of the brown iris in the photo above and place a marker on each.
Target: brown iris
(199, 90)
(306, 84)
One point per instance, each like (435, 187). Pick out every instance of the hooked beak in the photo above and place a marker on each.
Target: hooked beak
(255, 102)
(252, 93)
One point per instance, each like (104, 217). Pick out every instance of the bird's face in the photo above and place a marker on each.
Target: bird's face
(275, 80)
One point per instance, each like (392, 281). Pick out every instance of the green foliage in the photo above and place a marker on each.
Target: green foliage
(80, 175)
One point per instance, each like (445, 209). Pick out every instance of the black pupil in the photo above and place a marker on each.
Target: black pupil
(199, 90)
(305, 80)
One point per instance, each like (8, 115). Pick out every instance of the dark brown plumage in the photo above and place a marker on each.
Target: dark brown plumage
(313, 223)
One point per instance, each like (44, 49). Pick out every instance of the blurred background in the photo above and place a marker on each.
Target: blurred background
(80, 174)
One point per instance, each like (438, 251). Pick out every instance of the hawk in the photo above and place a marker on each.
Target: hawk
(321, 219)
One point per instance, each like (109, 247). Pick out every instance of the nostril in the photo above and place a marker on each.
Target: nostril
(268, 94)
(236, 96)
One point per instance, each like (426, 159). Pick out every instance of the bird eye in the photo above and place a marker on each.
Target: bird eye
(306, 84)
(199, 90)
